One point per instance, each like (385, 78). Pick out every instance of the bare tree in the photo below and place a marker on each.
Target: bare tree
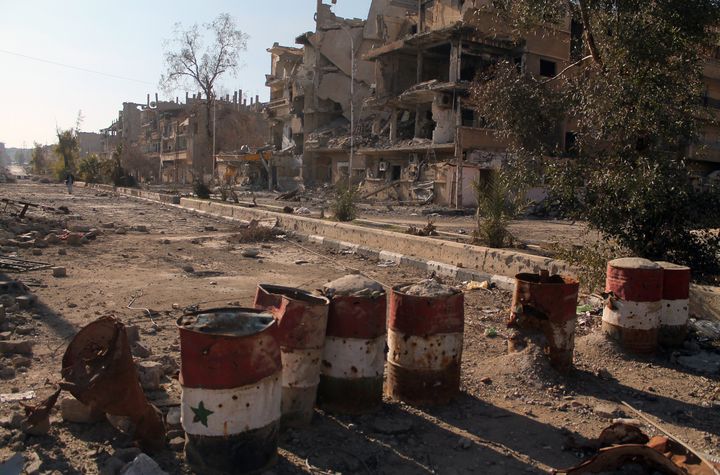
(189, 60)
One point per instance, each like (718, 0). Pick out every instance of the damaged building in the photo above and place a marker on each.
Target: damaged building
(416, 138)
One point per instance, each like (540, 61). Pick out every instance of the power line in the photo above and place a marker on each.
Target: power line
(69, 66)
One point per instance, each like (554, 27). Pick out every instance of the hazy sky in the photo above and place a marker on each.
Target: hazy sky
(120, 39)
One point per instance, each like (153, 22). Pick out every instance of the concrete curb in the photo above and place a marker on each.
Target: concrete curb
(459, 261)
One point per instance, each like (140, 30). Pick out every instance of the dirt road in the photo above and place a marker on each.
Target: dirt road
(515, 415)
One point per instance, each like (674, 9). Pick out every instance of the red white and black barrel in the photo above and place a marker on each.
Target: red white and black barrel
(545, 306)
(675, 304)
(632, 313)
(230, 375)
(353, 364)
(302, 320)
(425, 340)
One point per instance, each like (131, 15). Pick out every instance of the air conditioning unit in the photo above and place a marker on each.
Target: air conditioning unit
(383, 166)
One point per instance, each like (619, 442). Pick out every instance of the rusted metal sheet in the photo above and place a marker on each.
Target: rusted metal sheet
(98, 370)
(302, 321)
(633, 311)
(351, 378)
(37, 417)
(543, 309)
(675, 304)
(425, 340)
(231, 376)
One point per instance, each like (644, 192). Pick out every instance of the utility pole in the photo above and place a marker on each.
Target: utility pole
(352, 103)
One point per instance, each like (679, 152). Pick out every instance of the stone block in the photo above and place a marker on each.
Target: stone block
(75, 411)
(59, 272)
(150, 373)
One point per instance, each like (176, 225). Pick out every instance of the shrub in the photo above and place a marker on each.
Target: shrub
(201, 190)
(498, 203)
(344, 206)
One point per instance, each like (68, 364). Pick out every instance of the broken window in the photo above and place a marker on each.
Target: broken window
(468, 118)
(396, 172)
(548, 69)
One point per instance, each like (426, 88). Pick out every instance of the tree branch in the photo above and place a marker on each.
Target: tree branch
(561, 73)
(589, 38)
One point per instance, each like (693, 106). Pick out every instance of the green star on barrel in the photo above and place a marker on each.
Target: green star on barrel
(201, 414)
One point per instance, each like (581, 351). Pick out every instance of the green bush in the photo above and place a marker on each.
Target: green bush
(344, 206)
(498, 202)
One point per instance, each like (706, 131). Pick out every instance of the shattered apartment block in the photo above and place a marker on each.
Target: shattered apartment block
(416, 138)
(178, 136)
(427, 141)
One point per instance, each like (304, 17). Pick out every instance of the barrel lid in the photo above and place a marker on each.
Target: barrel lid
(672, 266)
(229, 322)
(634, 263)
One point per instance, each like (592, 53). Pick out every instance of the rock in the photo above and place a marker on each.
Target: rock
(24, 330)
(21, 362)
(37, 252)
(606, 410)
(80, 228)
(121, 230)
(353, 284)
(75, 411)
(140, 228)
(188, 268)
(108, 225)
(143, 465)
(150, 373)
(140, 351)
(169, 364)
(7, 373)
(59, 272)
(703, 362)
(391, 426)
(300, 262)
(173, 417)
(486, 381)
(62, 252)
(111, 466)
(128, 454)
(133, 334)
(13, 421)
(250, 252)
(34, 464)
(25, 301)
(74, 239)
(16, 347)
(210, 228)
(177, 444)
(465, 443)
(52, 239)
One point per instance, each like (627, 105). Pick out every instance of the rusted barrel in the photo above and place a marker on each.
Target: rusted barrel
(675, 304)
(98, 369)
(545, 306)
(425, 336)
(351, 378)
(302, 320)
(230, 373)
(632, 314)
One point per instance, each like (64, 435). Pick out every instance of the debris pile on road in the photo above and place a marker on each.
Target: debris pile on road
(429, 288)
(354, 285)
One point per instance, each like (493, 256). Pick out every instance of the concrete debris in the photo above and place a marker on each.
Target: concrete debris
(173, 418)
(16, 347)
(250, 253)
(429, 288)
(143, 465)
(16, 397)
(355, 285)
(302, 210)
(59, 272)
(702, 362)
(150, 373)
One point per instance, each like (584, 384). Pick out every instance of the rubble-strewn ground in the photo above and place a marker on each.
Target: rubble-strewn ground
(515, 414)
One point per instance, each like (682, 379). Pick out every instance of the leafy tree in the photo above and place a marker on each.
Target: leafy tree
(39, 159)
(190, 61)
(67, 150)
(633, 96)
(90, 169)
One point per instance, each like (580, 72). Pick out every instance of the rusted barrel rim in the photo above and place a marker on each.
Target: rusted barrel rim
(528, 278)
(294, 294)
(271, 322)
(396, 290)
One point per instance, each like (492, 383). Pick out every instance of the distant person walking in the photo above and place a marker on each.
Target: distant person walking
(69, 182)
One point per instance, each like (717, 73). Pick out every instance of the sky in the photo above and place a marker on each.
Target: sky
(124, 40)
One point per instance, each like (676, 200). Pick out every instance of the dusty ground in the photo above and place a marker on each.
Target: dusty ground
(515, 415)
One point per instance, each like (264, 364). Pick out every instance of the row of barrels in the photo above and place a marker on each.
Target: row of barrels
(245, 373)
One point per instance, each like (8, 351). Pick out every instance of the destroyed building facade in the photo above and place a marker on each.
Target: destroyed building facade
(178, 137)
